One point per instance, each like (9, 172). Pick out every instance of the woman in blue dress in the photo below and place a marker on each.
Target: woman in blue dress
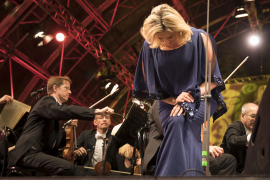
(171, 68)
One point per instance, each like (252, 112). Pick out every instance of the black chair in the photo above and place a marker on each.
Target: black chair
(14, 171)
(143, 136)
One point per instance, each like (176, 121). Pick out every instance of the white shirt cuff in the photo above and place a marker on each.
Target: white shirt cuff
(248, 139)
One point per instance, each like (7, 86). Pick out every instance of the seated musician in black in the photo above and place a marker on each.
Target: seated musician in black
(90, 144)
(41, 136)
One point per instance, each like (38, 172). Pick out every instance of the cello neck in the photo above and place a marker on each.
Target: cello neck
(104, 156)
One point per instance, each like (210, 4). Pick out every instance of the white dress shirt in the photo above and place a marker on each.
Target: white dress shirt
(98, 153)
(248, 133)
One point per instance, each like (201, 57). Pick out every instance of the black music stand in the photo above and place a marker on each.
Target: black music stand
(134, 121)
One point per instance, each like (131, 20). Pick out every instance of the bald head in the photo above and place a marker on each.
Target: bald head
(249, 112)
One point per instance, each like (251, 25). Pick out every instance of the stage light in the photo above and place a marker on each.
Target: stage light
(240, 10)
(39, 34)
(47, 39)
(108, 85)
(254, 40)
(136, 101)
(60, 37)
(241, 13)
(40, 43)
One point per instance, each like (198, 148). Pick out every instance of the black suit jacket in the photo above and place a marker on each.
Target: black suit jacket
(234, 142)
(155, 135)
(88, 141)
(41, 129)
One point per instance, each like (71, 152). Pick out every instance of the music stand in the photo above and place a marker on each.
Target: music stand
(134, 121)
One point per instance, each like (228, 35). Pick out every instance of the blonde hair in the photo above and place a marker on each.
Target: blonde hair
(165, 18)
(56, 80)
(127, 151)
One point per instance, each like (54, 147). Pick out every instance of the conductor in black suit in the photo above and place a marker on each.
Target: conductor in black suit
(238, 134)
(41, 136)
(220, 164)
(90, 144)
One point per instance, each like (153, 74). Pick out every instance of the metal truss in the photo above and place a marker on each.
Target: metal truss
(255, 23)
(83, 36)
(24, 61)
(57, 52)
(230, 30)
(181, 9)
(200, 6)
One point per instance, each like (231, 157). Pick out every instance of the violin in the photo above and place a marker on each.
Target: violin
(103, 168)
(71, 143)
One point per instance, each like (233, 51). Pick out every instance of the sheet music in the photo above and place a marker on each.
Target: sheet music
(12, 113)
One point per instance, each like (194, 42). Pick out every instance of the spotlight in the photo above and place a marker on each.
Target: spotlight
(240, 14)
(47, 39)
(108, 85)
(60, 37)
(240, 10)
(39, 34)
(254, 40)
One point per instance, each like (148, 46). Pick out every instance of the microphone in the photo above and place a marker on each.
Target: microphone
(33, 94)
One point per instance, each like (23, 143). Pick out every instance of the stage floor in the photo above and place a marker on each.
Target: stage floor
(142, 178)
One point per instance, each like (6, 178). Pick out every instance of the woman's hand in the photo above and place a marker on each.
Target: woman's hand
(176, 109)
(184, 96)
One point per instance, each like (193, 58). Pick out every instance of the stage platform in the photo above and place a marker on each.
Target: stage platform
(142, 178)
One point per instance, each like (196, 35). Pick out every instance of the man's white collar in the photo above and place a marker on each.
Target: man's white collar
(57, 101)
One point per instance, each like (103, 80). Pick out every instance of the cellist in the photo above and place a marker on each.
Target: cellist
(41, 137)
(90, 144)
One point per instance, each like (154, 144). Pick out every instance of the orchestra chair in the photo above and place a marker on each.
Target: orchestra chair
(143, 137)
(15, 171)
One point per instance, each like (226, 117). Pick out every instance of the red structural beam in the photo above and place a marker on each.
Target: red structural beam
(224, 23)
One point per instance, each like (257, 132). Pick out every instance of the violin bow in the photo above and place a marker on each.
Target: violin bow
(114, 89)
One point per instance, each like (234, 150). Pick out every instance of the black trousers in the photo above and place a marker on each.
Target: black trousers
(224, 165)
(48, 164)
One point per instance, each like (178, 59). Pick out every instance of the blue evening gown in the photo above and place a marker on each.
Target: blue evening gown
(162, 74)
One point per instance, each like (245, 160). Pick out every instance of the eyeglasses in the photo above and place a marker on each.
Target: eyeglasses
(252, 116)
(102, 117)
(67, 87)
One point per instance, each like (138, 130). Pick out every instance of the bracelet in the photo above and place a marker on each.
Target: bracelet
(190, 111)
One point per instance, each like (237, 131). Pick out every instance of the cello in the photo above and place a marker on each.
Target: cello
(103, 168)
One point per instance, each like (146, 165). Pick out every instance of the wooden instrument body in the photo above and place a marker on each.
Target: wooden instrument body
(68, 153)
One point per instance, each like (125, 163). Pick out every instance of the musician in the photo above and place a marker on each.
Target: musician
(41, 138)
(124, 157)
(238, 134)
(220, 164)
(90, 143)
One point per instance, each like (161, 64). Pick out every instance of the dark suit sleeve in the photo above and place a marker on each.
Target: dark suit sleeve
(50, 109)
(235, 139)
(81, 140)
(63, 139)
